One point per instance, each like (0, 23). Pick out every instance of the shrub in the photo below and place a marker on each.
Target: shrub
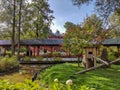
(23, 49)
(13, 61)
(112, 55)
(56, 54)
(57, 59)
(8, 63)
(27, 58)
(36, 85)
(26, 85)
(40, 58)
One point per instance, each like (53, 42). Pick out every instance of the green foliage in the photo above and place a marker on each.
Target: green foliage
(100, 79)
(8, 63)
(23, 49)
(62, 77)
(103, 7)
(93, 24)
(36, 18)
(39, 58)
(56, 54)
(27, 58)
(69, 25)
(115, 22)
(111, 56)
(26, 85)
(57, 58)
(75, 40)
(112, 53)
(36, 85)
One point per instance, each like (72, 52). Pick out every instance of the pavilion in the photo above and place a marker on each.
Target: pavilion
(36, 45)
(113, 42)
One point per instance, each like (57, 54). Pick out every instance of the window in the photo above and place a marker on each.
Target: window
(90, 52)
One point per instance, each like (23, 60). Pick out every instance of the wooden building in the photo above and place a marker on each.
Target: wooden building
(113, 42)
(91, 51)
(34, 46)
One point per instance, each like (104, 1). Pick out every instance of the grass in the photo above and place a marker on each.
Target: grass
(101, 79)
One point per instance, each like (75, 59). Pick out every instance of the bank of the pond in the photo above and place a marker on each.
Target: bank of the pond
(16, 77)
(9, 71)
(101, 79)
(22, 73)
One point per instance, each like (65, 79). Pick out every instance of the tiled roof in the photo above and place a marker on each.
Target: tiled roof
(5, 42)
(112, 42)
(33, 42)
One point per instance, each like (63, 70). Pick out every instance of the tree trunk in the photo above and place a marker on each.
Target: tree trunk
(90, 62)
(37, 31)
(19, 29)
(13, 32)
(104, 56)
(78, 61)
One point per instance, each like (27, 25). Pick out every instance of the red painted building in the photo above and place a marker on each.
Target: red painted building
(37, 47)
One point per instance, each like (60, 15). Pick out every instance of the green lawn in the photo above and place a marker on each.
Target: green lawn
(101, 79)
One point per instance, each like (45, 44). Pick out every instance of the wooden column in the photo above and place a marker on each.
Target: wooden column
(3, 51)
(51, 50)
(37, 50)
(67, 52)
(34, 51)
(27, 47)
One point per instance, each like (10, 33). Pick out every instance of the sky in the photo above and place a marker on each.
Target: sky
(64, 10)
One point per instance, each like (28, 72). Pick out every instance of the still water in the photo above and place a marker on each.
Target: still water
(25, 72)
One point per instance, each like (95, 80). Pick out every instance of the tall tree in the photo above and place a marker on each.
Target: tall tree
(115, 22)
(69, 25)
(13, 30)
(94, 26)
(9, 17)
(6, 17)
(19, 29)
(33, 19)
(75, 40)
(104, 7)
(38, 18)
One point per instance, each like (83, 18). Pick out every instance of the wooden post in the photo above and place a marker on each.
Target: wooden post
(67, 52)
(34, 51)
(51, 50)
(37, 50)
(27, 50)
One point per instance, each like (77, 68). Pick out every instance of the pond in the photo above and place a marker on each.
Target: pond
(25, 72)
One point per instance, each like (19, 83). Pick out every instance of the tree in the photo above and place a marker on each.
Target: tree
(38, 19)
(115, 22)
(19, 29)
(13, 30)
(88, 33)
(68, 25)
(104, 7)
(94, 26)
(32, 20)
(9, 17)
(75, 40)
